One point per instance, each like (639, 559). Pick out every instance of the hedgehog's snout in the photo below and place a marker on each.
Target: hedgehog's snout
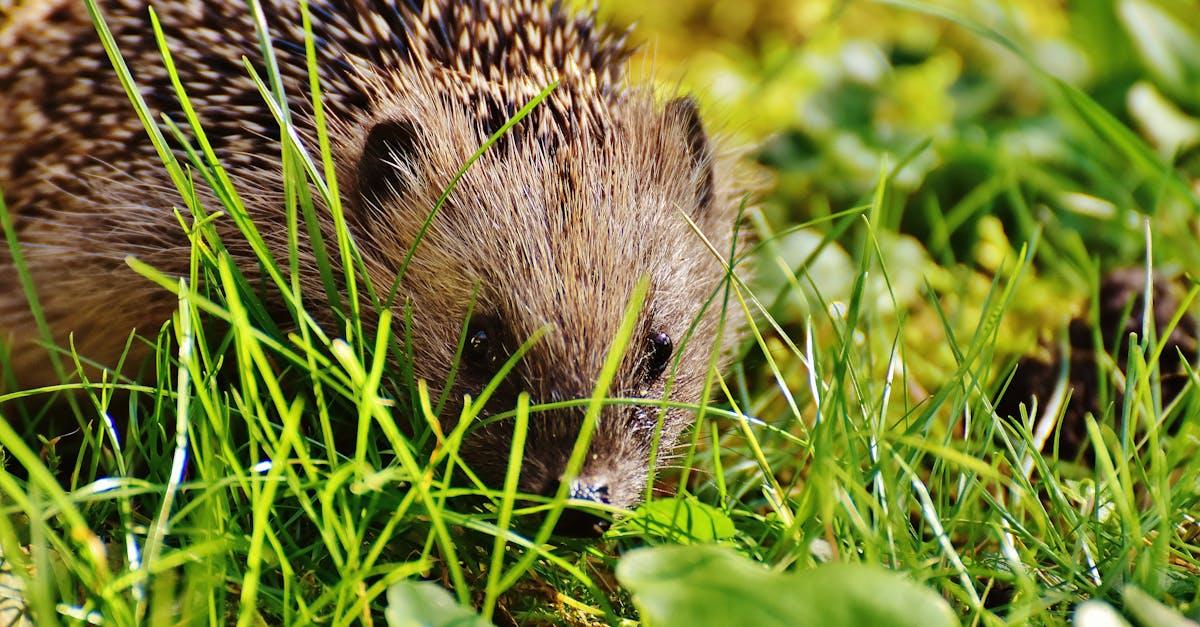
(581, 523)
(585, 490)
(609, 475)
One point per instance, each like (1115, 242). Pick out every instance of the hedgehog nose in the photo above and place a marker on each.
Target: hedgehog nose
(579, 523)
(584, 491)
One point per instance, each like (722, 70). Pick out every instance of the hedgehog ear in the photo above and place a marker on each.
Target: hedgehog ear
(685, 112)
(390, 145)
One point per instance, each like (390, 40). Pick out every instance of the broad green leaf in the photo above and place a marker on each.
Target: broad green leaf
(713, 585)
(686, 517)
(426, 604)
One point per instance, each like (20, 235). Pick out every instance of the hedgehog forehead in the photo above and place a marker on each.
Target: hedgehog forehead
(592, 210)
(563, 239)
(590, 206)
(630, 167)
(557, 228)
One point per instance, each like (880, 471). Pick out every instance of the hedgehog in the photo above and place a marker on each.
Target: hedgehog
(602, 183)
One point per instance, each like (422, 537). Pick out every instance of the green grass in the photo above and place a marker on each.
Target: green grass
(858, 426)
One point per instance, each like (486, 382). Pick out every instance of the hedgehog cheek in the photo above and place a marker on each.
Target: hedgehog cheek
(686, 114)
(380, 174)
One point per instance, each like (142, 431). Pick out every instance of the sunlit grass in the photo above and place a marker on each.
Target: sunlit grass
(224, 496)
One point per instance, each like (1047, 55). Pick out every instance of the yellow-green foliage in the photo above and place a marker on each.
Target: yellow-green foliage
(834, 93)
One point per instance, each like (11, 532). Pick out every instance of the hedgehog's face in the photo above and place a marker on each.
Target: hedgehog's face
(553, 239)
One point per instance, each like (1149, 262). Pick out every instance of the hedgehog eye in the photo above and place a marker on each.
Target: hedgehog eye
(481, 350)
(659, 349)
